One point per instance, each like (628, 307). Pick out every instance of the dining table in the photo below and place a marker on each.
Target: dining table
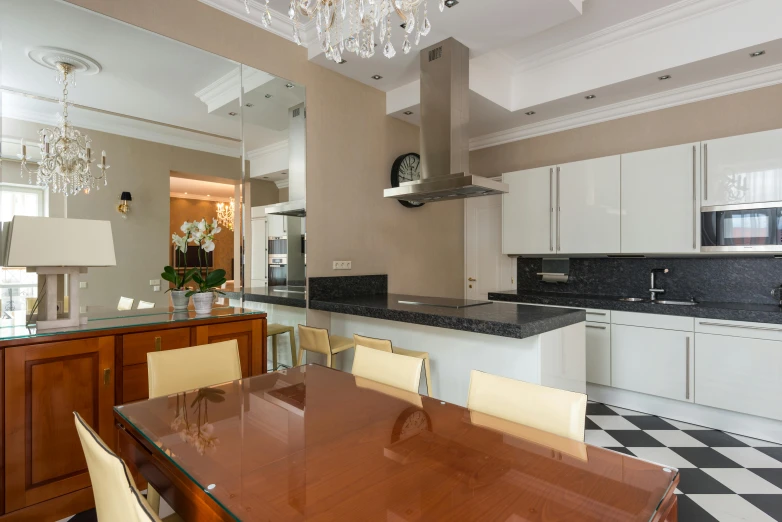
(317, 444)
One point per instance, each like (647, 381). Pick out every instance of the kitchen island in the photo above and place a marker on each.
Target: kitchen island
(540, 345)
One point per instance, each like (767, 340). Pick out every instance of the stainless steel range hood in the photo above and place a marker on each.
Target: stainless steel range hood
(297, 166)
(445, 116)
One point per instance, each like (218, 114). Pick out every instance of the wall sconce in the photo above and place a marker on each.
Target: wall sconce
(124, 206)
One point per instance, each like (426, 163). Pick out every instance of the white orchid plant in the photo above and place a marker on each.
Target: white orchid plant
(202, 235)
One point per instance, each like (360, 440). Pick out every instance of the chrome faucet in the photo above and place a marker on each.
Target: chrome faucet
(652, 290)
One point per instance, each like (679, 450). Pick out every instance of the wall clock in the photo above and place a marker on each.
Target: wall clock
(407, 167)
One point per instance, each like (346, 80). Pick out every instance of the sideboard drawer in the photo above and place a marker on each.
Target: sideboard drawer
(135, 347)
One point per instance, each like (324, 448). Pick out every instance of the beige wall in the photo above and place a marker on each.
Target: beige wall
(284, 194)
(351, 144)
(141, 242)
(263, 193)
(751, 111)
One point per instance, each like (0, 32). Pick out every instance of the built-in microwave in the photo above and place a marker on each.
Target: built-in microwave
(754, 227)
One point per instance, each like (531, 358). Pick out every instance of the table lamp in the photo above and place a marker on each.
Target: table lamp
(53, 246)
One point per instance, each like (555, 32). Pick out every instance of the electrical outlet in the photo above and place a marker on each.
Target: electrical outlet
(343, 265)
(82, 284)
(156, 288)
(83, 309)
(154, 282)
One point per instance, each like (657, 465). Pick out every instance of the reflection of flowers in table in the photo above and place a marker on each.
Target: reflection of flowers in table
(199, 434)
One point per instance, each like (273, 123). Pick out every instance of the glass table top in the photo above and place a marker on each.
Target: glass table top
(12, 325)
(312, 443)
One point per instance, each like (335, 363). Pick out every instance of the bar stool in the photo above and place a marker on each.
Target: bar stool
(318, 340)
(273, 330)
(385, 345)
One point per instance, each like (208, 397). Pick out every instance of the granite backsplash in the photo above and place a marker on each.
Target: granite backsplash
(724, 279)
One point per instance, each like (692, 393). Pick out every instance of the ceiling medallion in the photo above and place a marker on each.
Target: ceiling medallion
(349, 26)
(66, 155)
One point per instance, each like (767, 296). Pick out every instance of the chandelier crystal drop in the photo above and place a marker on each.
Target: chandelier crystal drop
(66, 155)
(225, 214)
(350, 26)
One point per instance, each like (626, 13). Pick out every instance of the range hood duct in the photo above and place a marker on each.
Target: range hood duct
(445, 142)
(297, 166)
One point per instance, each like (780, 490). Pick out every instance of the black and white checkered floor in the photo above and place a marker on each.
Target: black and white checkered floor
(723, 477)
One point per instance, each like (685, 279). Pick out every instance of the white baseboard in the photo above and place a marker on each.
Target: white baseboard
(724, 420)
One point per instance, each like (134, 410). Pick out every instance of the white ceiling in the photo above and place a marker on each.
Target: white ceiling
(196, 189)
(144, 75)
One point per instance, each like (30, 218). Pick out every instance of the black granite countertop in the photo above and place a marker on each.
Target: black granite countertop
(493, 319)
(295, 296)
(757, 313)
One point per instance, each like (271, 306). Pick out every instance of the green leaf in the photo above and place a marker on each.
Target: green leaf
(169, 269)
(191, 292)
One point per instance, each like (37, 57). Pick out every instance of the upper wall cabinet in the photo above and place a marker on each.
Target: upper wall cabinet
(588, 206)
(528, 212)
(742, 169)
(660, 194)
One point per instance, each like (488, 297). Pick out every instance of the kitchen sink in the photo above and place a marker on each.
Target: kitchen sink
(668, 302)
(632, 299)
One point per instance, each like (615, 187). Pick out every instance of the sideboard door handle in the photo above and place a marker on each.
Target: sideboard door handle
(158, 344)
(106, 375)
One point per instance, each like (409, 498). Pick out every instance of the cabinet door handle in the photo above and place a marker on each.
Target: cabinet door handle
(687, 371)
(597, 313)
(596, 326)
(106, 375)
(745, 327)
(559, 214)
(158, 344)
(551, 209)
(705, 160)
(694, 202)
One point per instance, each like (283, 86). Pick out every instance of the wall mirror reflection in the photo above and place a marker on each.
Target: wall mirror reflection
(163, 129)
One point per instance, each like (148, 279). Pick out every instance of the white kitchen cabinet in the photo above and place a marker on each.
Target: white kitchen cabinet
(653, 361)
(588, 202)
(276, 225)
(527, 212)
(598, 353)
(742, 169)
(739, 374)
(660, 200)
(258, 269)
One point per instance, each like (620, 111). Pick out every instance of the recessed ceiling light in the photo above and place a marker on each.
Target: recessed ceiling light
(284, 173)
(185, 192)
(408, 113)
(530, 113)
(289, 85)
(451, 3)
(209, 195)
(377, 77)
(664, 77)
(266, 177)
(232, 114)
(590, 97)
(344, 60)
(249, 105)
(756, 54)
(268, 96)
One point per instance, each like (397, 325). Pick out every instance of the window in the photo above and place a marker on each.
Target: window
(16, 285)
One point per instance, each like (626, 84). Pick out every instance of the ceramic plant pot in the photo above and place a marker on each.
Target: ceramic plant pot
(180, 299)
(203, 303)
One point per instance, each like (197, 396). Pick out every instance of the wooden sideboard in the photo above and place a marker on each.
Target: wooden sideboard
(45, 378)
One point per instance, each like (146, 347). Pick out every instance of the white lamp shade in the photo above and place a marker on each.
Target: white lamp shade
(44, 241)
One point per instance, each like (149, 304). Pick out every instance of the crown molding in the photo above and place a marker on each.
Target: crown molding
(616, 34)
(737, 83)
(268, 149)
(89, 122)
(281, 25)
(282, 183)
(228, 87)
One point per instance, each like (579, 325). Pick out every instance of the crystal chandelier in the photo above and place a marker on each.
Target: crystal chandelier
(66, 155)
(225, 214)
(349, 26)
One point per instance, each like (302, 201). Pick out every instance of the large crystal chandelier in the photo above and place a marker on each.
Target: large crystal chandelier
(225, 214)
(349, 26)
(66, 155)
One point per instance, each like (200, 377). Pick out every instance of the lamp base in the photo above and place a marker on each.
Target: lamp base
(47, 316)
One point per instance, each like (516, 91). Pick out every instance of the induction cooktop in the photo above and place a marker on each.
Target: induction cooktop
(443, 302)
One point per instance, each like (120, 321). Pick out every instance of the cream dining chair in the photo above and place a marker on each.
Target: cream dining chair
(385, 345)
(318, 340)
(184, 369)
(391, 369)
(116, 495)
(560, 412)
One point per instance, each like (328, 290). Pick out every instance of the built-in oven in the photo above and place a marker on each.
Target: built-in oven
(755, 227)
(278, 270)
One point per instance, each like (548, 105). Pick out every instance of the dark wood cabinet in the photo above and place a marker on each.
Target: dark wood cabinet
(44, 379)
(44, 385)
